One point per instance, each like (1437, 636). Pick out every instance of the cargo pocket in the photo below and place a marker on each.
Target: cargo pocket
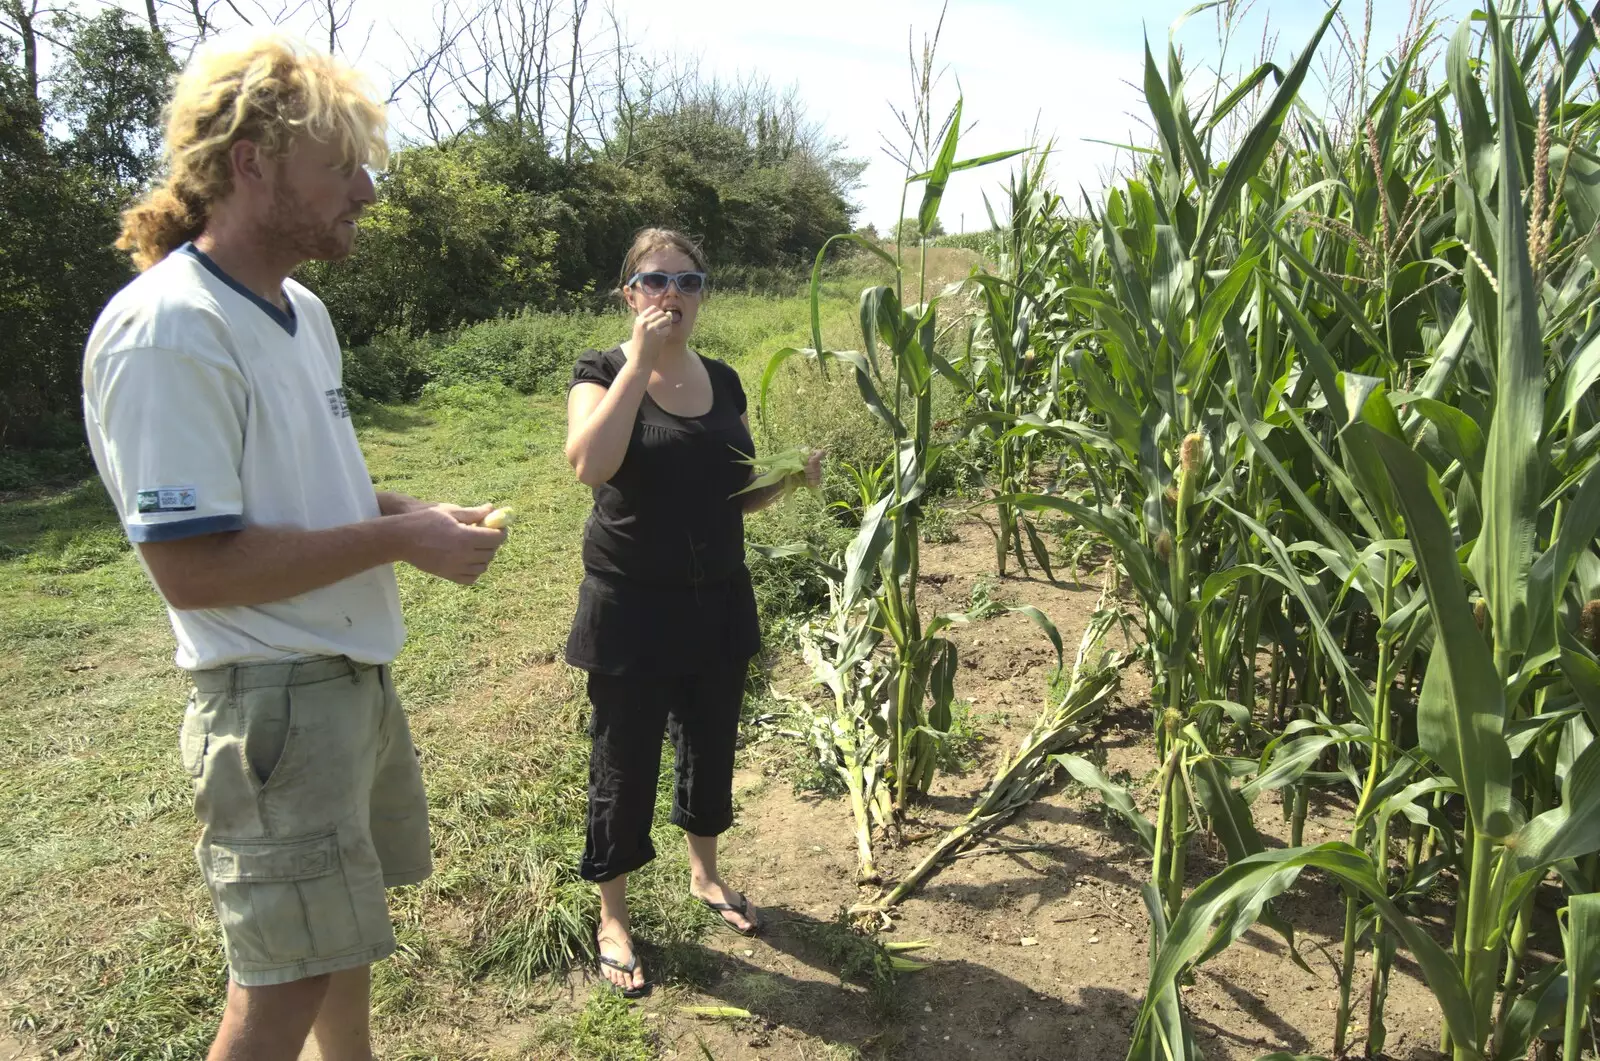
(281, 902)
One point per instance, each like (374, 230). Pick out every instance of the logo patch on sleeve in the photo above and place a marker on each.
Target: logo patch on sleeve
(168, 499)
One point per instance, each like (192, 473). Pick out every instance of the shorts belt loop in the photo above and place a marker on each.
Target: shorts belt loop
(355, 675)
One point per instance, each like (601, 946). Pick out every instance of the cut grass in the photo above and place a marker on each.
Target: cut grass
(107, 940)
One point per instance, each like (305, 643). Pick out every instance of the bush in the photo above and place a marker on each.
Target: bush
(531, 352)
(393, 367)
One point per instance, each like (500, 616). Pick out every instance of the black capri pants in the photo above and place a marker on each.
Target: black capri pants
(628, 716)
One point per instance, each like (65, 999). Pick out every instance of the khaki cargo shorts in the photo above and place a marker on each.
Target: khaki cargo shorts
(311, 803)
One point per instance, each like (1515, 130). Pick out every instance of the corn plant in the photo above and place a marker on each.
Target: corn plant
(895, 372)
(1301, 389)
(1006, 376)
(1019, 776)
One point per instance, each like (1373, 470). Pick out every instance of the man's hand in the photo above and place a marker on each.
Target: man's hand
(392, 504)
(446, 540)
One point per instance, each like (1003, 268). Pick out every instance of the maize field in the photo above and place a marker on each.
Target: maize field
(1320, 374)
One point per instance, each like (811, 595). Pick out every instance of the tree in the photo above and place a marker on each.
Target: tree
(109, 90)
(908, 232)
(57, 267)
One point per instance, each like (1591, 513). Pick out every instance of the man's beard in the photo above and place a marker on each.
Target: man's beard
(293, 228)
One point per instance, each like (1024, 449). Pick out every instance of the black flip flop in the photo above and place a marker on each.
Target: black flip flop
(742, 908)
(630, 967)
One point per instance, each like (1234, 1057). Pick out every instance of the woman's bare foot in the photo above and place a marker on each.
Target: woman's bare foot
(713, 890)
(615, 944)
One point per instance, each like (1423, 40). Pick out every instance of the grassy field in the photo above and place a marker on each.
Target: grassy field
(107, 941)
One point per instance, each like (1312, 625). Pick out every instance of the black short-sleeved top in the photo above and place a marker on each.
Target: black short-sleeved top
(665, 587)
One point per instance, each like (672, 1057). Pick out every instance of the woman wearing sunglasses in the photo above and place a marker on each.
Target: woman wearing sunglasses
(666, 622)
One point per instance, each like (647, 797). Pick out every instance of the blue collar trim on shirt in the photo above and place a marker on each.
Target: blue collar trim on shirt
(287, 321)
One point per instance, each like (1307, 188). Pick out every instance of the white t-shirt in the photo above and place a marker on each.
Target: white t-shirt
(209, 409)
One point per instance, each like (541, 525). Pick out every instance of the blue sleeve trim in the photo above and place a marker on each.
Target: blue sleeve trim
(184, 528)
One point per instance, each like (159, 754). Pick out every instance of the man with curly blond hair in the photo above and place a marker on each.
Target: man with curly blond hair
(218, 420)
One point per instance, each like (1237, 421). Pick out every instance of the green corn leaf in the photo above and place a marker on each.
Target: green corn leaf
(1581, 939)
(861, 557)
(939, 177)
(1578, 49)
(1114, 796)
(1321, 363)
(773, 364)
(1160, 104)
(869, 391)
(1583, 674)
(1472, 112)
(816, 279)
(1130, 285)
(1217, 307)
(1134, 555)
(1335, 474)
(1445, 358)
(773, 468)
(942, 682)
(1459, 433)
(1578, 378)
(770, 373)
(1138, 149)
(1521, 734)
(1238, 95)
(806, 549)
(1580, 525)
(1258, 143)
(867, 309)
(1368, 399)
(973, 163)
(1036, 545)
(1513, 471)
(1404, 802)
(1571, 829)
(1171, 289)
(1334, 289)
(1168, 1024)
(1193, 153)
(1289, 763)
(1539, 1006)
(1462, 712)
(1288, 576)
(1226, 809)
(1247, 885)
(1581, 192)
(1042, 621)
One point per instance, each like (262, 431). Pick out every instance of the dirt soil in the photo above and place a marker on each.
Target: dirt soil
(1038, 954)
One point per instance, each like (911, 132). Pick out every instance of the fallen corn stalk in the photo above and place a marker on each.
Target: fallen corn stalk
(1020, 776)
